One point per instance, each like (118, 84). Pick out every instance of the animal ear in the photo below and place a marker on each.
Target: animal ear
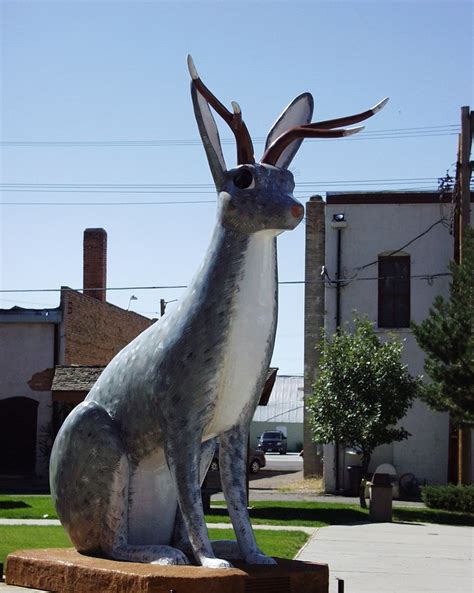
(209, 136)
(299, 112)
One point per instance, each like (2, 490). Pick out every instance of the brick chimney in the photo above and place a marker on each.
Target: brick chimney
(95, 263)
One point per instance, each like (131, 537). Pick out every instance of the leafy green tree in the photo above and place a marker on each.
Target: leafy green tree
(447, 337)
(362, 391)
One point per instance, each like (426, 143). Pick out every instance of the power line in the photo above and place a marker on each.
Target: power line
(426, 276)
(440, 221)
(131, 187)
(416, 183)
(172, 286)
(169, 203)
(326, 280)
(346, 281)
(413, 132)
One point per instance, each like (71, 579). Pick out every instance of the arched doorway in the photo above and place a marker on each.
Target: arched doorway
(18, 425)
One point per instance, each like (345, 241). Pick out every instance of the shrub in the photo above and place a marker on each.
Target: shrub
(450, 497)
(362, 391)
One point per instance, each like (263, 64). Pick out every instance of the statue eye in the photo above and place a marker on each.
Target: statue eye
(243, 179)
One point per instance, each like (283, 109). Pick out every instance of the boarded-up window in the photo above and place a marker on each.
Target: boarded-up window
(394, 291)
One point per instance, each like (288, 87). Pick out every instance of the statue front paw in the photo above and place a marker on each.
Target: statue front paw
(171, 557)
(215, 563)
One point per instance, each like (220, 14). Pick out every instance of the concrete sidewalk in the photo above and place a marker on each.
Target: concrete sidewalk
(382, 557)
(395, 557)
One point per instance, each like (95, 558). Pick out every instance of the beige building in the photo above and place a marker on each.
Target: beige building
(83, 331)
(392, 252)
(28, 352)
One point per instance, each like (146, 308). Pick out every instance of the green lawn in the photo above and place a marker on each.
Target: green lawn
(316, 514)
(18, 537)
(309, 514)
(284, 544)
(18, 506)
(421, 515)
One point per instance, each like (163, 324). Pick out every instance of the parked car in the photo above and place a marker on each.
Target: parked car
(256, 460)
(273, 440)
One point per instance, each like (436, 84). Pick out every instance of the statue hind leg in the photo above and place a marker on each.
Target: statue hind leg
(90, 479)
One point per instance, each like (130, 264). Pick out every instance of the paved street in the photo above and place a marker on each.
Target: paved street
(291, 462)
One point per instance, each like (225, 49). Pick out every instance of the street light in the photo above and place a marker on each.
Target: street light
(132, 298)
(163, 304)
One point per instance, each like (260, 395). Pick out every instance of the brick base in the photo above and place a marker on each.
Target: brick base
(64, 570)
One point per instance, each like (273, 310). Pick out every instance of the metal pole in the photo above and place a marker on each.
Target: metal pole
(338, 277)
(464, 433)
(338, 324)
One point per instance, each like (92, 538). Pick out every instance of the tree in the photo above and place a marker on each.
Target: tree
(447, 338)
(362, 391)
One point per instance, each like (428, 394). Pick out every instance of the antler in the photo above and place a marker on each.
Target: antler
(245, 153)
(322, 129)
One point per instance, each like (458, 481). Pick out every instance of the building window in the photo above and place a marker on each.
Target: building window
(394, 291)
(18, 435)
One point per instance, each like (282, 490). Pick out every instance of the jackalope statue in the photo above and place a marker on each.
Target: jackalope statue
(128, 462)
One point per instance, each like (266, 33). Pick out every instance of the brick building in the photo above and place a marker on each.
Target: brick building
(85, 330)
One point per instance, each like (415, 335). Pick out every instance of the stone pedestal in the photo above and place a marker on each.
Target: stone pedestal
(64, 570)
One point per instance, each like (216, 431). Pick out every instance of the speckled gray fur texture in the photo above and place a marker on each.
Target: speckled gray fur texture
(127, 464)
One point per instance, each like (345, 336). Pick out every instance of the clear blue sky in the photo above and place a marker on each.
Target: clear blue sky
(115, 72)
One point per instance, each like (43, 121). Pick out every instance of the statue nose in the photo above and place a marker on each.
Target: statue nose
(297, 210)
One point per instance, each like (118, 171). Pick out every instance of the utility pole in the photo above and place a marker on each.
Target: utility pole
(465, 172)
(339, 224)
(463, 207)
(313, 320)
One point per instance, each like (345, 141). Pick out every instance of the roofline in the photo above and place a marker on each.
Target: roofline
(388, 197)
(80, 292)
(80, 366)
(19, 315)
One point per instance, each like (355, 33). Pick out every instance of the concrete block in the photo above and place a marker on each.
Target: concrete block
(64, 570)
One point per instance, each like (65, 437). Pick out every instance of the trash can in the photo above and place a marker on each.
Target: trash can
(380, 494)
(355, 477)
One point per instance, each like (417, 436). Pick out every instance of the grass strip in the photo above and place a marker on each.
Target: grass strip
(420, 515)
(19, 506)
(317, 514)
(284, 544)
(305, 513)
(19, 537)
